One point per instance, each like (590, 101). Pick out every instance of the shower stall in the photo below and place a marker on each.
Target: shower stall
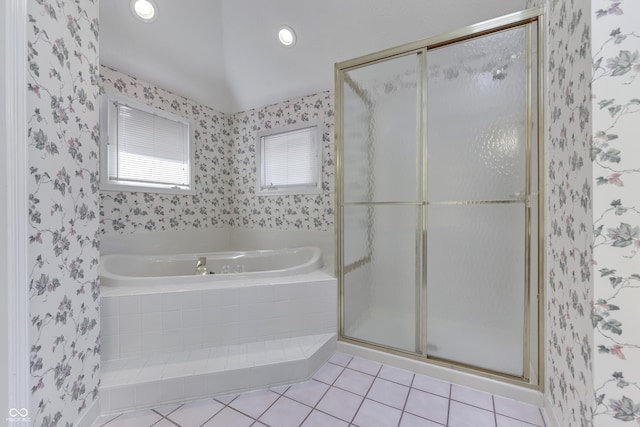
(439, 210)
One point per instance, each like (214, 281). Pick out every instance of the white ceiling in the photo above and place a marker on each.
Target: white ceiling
(225, 53)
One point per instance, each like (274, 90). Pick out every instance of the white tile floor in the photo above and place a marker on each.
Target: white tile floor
(346, 391)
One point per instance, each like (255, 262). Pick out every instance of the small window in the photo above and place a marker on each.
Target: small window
(145, 149)
(289, 160)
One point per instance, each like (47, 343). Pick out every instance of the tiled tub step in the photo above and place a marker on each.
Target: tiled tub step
(150, 381)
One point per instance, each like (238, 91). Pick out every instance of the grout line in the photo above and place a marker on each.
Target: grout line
(315, 407)
(332, 385)
(312, 409)
(231, 401)
(327, 414)
(242, 413)
(117, 416)
(385, 404)
(329, 388)
(217, 412)
(406, 398)
(334, 381)
(422, 417)
(521, 420)
(449, 404)
(363, 372)
(495, 414)
(349, 391)
(165, 417)
(280, 396)
(170, 420)
(365, 395)
(263, 412)
(475, 406)
(170, 412)
(285, 390)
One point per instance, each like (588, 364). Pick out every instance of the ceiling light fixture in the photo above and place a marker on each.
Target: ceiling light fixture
(144, 10)
(287, 36)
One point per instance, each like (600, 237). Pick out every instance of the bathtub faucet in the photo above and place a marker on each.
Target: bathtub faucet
(201, 266)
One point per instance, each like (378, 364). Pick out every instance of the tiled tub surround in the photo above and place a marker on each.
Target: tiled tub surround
(345, 391)
(251, 333)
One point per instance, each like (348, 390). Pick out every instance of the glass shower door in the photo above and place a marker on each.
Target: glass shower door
(478, 177)
(438, 176)
(381, 205)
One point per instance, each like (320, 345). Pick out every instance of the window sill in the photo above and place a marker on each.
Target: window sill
(290, 192)
(145, 189)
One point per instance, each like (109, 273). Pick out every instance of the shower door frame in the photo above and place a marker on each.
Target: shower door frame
(420, 48)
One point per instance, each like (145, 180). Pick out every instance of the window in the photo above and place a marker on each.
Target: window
(289, 160)
(145, 149)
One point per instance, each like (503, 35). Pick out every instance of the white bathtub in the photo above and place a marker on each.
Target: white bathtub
(168, 335)
(118, 270)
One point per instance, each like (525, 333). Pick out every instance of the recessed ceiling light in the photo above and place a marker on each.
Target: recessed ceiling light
(287, 36)
(144, 10)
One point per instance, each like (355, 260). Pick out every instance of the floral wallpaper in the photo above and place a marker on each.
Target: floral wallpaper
(225, 169)
(616, 204)
(592, 334)
(126, 212)
(304, 212)
(62, 108)
(569, 293)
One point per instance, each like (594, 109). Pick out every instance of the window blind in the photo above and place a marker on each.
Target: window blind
(149, 149)
(290, 159)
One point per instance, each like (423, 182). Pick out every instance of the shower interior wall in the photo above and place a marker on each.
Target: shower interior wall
(224, 211)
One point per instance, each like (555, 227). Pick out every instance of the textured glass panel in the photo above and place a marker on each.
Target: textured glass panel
(380, 145)
(356, 148)
(475, 285)
(358, 233)
(380, 253)
(476, 118)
